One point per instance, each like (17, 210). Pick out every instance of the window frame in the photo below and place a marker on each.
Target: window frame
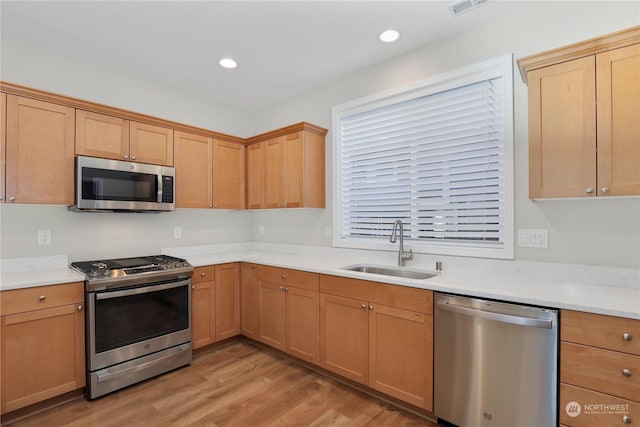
(449, 80)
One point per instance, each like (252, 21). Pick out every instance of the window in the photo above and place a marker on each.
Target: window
(438, 155)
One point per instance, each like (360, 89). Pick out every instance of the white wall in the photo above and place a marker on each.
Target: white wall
(93, 235)
(31, 64)
(597, 232)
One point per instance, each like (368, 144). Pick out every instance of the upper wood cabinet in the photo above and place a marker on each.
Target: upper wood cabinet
(255, 176)
(3, 145)
(584, 118)
(39, 152)
(209, 173)
(293, 171)
(194, 170)
(109, 137)
(228, 175)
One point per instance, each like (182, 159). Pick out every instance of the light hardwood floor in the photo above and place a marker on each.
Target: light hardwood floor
(236, 385)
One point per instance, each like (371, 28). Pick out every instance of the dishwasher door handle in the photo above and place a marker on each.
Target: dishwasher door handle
(498, 317)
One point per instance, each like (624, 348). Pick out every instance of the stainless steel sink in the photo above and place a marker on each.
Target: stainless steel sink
(390, 271)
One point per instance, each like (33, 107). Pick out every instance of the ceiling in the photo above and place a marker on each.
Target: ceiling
(283, 47)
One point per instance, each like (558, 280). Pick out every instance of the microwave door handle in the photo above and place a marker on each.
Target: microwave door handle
(159, 194)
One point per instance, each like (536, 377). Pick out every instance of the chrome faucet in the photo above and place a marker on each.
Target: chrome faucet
(402, 255)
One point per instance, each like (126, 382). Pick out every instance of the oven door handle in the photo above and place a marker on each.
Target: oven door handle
(137, 291)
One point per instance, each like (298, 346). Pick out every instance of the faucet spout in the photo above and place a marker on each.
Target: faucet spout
(402, 255)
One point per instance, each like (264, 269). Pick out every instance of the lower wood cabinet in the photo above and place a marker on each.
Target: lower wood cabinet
(203, 297)
(42, 343)
(215, 303)
(379, 335)
(227, 312)
(249, 301)
(599, 366)
(288, 311)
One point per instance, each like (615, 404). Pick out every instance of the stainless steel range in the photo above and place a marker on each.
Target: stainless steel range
(138, 319)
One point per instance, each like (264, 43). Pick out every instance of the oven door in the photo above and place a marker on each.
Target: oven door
(124, 324)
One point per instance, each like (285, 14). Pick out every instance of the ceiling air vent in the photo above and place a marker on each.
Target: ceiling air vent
(466, 5)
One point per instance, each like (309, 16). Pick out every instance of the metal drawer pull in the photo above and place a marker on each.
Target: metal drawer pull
(79, 308)
(203, 274)
(42, 298)
(284, 276)
(282, 288)
(627, 336)
(626, 373)
(589, 190)
(626, 419)
(363, 305)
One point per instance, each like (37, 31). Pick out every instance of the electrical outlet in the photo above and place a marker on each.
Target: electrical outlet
(327, 231)
(177, 232)
(261, 230)
(44, 237)
(533, 238)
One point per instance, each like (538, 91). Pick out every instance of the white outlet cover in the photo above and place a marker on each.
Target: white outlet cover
(177, 232)
(44, 237)
(261, 230)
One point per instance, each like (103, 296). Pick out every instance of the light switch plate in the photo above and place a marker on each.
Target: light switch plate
(533, 238)
(177, 232)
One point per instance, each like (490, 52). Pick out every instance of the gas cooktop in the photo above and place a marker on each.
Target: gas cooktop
(121, 269)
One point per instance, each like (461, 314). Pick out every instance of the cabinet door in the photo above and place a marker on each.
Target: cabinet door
(42, 355)
(40, 139)
(194, 171)
(203, 299)
(618, 80)
(3, 127)
(271, 314)
(293, 178)
(227, 300)
(401, 354)
(228, 175)
(255, 176)
(273, 173)
(150, 144)
(249, 297)
(562, 130)
(571, 395)
(302, 324)
(344, 337)
(99, 135)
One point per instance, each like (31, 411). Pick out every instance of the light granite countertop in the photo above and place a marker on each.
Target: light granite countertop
(601, 290)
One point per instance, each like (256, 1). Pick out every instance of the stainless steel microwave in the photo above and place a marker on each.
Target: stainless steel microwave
(116, 186)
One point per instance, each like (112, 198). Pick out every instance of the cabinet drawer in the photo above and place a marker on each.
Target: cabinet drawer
(414, 299)
(203, 274)
(602, 370)
(596, 409)
(597, 330)
(27, 299)
(297, 278)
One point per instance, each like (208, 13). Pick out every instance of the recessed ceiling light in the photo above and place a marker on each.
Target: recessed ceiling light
(228, 63)
(389, 36)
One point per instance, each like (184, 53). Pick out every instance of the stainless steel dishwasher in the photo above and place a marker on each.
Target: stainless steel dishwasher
(495, 363)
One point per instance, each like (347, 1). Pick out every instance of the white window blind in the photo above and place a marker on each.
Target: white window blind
(434, 157)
